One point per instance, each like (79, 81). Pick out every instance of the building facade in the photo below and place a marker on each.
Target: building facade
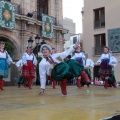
(28, 23)
(71, 27)
(101, 27)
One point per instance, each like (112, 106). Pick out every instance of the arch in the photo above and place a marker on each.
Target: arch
(14, 40)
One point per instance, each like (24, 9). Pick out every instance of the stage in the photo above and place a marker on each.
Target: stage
(92, 103)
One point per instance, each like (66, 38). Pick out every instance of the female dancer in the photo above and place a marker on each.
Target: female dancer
(105, 62)
(5, 60)
(79, 56)
(28, 60)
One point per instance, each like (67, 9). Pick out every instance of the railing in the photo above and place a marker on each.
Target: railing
(38, 16)
(99, 24)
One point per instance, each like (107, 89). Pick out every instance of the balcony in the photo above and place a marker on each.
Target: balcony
(99, 24)
(38, 16)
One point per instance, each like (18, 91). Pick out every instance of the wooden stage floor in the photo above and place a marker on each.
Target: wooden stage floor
(92, 103)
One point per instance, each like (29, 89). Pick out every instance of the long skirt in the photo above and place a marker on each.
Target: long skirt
(105, 69)
(68, 70)
(28, 71)
(112, 78)
(3, 68)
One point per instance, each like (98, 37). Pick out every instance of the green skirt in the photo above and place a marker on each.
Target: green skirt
(75, 68)
(112, 78)
(60, 71)
(68, 69)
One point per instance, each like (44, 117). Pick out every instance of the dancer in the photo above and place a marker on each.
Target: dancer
(19, 64)
(105, 62)
(29, 61)
(112, 80)
(5, 60)
(49, 61)
(79, 56)
(88, 63)
(58, 69)
(52, 81)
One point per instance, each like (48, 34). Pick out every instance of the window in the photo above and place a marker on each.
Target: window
(42, 7)
(99, 18)
(74, 40)
(100, 42)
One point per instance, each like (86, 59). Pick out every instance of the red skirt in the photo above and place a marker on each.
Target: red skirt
(28, 71)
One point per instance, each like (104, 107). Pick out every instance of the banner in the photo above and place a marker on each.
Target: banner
(7, 15)
(47, 26)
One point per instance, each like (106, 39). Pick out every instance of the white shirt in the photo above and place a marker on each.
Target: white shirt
(44, 65)
(6, 56)
(89, 63)
(108, 56)
(81, 54)
(19, 63)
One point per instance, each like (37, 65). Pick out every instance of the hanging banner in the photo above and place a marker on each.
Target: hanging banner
(47, 26)
(7, 15)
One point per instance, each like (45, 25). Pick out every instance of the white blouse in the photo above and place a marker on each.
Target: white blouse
(81, 54)
(88, 63)
(27, 57)
(6, 56)
(113, 61)
(19, 63)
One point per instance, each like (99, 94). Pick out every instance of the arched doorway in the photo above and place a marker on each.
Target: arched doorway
(13, 70)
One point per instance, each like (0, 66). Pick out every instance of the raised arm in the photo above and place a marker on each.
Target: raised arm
(64, 54)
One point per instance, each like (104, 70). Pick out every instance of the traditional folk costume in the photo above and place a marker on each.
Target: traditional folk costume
(59, 70)
(106, 62)
(52, 81)
(5, 60)
(46, 66)
(79, 57)
(19, 64)
(112, 80)
(88, 63)
(28, 71)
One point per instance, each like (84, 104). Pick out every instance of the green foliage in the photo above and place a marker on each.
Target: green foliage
(8, 47)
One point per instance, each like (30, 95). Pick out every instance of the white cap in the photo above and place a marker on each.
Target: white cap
(47, 46)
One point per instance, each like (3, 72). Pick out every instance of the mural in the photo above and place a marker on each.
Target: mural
(114, 40)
